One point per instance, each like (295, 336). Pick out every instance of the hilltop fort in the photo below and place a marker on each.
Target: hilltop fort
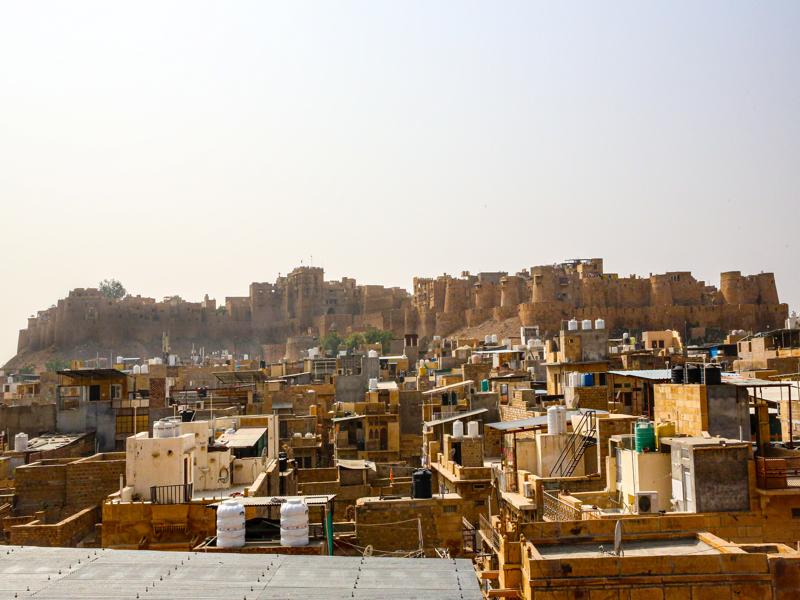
(303, 303)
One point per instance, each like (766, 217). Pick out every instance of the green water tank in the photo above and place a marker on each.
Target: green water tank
(484, 385)
(645, 436)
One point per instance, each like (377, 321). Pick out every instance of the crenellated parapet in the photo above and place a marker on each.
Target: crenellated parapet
(303, 303)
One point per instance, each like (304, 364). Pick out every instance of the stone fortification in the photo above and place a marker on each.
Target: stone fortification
(303, 303)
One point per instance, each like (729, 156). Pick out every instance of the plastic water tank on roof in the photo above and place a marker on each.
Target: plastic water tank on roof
(294, 523)
(599, 324)
(21, 442)
(572, 325)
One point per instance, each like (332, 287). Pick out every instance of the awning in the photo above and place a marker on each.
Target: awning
(445, 388)
(245, 437)
(234, 377)
(356, 465)
(534, 422)
(456, 417)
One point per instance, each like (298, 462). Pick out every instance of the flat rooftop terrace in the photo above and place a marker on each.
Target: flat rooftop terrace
(72, 573)
(665, 547)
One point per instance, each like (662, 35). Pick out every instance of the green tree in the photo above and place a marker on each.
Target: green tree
(374, 335)
(112, 289)
(55, 364)
(353, 341)
(330, 342)
(28, 369)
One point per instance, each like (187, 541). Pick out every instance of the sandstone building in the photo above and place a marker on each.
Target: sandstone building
(302, 302)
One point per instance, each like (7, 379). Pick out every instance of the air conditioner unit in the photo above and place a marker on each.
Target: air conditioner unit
(646, 503)
(528, 489)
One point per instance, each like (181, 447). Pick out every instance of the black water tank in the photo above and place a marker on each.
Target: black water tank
(421, 484)
(713, 375)
(283, 461)
(187, 416)
(677, 374)
(693, 374)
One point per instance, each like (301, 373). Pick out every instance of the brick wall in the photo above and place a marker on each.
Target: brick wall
(67, 532)
(90, 480)
(391, 524)
(61, 487)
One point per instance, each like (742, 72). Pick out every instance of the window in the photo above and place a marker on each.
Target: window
(116, 391)
(796, 513)
(449, 509)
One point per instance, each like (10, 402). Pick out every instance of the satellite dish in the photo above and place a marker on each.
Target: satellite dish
(618, 539)
(368, 550)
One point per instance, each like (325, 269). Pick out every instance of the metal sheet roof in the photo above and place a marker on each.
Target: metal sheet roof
(276, 500)
(242, 438)
(356, 465)
(534, 422)
(452, 386)
(649, 374)
(456, 417)
(67, 573)
(232, 377)
(92, 373)
(348, 418)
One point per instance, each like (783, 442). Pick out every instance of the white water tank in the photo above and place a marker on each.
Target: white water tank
(562, 418)
(572, 325)
(372, 354)
(473, 429)
(294, 523)
(475, 359)
(310, 436)
(164, 429)
(599, 324)
(120, 360)
(487, 339)
(458, 428)
(586, 324)
(553, 422)
(494, 338)
(173, 360)
(230, 525)
(145, 369)
(21, 442)
(373, 384)
(137, 370)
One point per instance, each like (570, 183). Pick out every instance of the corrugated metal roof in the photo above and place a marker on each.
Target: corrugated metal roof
(534, 421)
(315, 500)
(242, 438)
(456, 417)
(649, 374)
(452, 386)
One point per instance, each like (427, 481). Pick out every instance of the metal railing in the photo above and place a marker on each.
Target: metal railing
(555, 509)
(469, 536)
(171, 494)
(489, 533)
(778, 472)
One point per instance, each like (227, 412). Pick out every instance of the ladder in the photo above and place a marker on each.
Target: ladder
(582, 438)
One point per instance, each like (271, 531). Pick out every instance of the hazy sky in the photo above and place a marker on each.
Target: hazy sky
(196, 147)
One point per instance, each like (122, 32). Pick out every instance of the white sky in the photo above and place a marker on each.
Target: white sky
(195, 147)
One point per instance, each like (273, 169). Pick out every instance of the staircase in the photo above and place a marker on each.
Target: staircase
(582, 438)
